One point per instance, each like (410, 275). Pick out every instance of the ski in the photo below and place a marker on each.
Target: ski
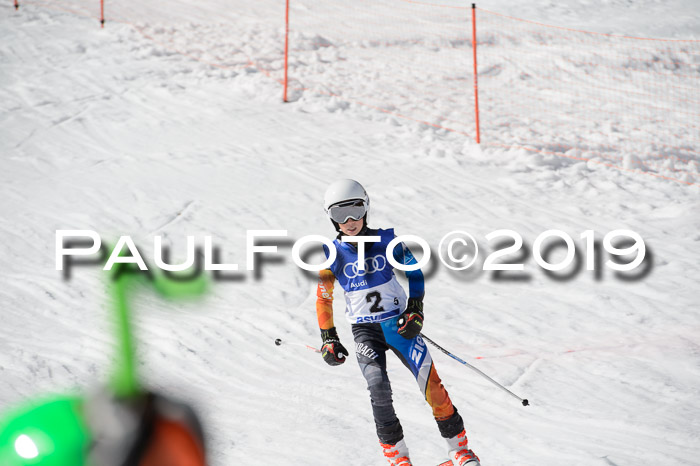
(446, 463)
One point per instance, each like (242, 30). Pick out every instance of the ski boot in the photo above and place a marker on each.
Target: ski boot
(397, 455)
(459, 451)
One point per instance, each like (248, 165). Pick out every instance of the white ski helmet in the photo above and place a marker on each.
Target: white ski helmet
(346, 199)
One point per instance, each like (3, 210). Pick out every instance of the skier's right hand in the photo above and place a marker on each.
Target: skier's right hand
(333, 351)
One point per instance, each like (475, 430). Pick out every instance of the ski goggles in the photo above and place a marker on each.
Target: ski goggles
(340, 213)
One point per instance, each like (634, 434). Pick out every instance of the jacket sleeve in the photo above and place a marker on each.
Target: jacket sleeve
(324, 299)
(416, 287)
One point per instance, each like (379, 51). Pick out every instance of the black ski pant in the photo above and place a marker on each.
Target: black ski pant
(371, 342)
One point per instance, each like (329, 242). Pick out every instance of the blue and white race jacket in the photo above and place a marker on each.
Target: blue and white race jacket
(373, 294)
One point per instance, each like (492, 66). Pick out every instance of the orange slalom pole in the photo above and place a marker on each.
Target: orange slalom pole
(102, 13)
(16, 4)
(286, 50)
(476, 86)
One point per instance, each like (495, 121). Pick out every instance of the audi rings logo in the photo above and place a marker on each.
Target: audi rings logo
(372, 264)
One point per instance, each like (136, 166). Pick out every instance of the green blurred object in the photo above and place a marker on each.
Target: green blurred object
(181, 288)
(125, 380)
(48, 434)
(55, 432)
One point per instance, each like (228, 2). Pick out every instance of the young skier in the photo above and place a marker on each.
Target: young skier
(382, 318)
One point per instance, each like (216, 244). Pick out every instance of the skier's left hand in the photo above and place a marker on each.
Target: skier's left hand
(411, 320)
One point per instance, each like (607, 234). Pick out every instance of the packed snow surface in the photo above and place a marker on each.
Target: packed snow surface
(169, 122)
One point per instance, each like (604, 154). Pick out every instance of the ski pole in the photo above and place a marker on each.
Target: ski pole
(279, 342)
(522, 400)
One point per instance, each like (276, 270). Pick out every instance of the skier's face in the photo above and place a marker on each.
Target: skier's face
(351, 227)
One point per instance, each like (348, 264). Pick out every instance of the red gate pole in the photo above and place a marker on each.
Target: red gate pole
(102, 13)
(476, 86)
(286, 50)
(16, 4)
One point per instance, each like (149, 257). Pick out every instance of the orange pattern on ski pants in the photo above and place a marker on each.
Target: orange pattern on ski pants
(437, 397)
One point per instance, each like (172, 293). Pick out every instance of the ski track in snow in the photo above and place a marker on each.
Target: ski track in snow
(111, 131)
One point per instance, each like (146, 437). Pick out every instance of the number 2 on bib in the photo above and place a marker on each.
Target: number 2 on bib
(377, 297)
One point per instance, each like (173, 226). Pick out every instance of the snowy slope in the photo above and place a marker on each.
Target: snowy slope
(113, 130)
